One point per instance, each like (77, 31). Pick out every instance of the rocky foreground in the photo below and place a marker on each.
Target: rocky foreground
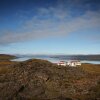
(42, 80)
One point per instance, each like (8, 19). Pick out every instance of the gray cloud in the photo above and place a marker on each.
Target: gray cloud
(51, 22)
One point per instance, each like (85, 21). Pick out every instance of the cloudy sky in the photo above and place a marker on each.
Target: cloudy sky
(50, 26)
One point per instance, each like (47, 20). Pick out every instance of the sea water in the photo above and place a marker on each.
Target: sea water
(53, 60)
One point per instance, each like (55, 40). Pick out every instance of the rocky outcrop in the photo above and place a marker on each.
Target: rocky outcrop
(42, 80)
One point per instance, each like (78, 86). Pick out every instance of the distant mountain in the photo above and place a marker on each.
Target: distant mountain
(78, 57)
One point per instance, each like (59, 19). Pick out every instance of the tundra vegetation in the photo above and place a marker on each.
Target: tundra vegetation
(37, 79)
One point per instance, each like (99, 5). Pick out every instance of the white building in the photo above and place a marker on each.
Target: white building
(62, 63)
(74, 63)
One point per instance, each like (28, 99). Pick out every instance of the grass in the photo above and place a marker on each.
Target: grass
(91, 68)
(5, 66)
(4, 70)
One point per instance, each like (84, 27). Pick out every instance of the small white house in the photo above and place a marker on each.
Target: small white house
(74, 63)
(62, 63)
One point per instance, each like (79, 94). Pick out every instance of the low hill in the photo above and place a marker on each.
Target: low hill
(41, 80)
(6, 57)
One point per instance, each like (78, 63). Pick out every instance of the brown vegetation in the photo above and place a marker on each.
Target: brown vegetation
(91, 68)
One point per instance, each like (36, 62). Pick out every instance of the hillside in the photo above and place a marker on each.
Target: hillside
(41, 80)
(6, 57)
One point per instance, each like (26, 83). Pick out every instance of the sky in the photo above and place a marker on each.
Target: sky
(50, 26)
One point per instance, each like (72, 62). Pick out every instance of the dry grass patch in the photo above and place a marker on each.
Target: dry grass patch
(5, 66)
(4, 70)
(91, 68)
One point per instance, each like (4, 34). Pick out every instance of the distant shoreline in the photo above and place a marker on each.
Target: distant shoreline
(92, 59)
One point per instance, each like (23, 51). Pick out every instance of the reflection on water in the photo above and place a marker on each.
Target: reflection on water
(53, 60)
